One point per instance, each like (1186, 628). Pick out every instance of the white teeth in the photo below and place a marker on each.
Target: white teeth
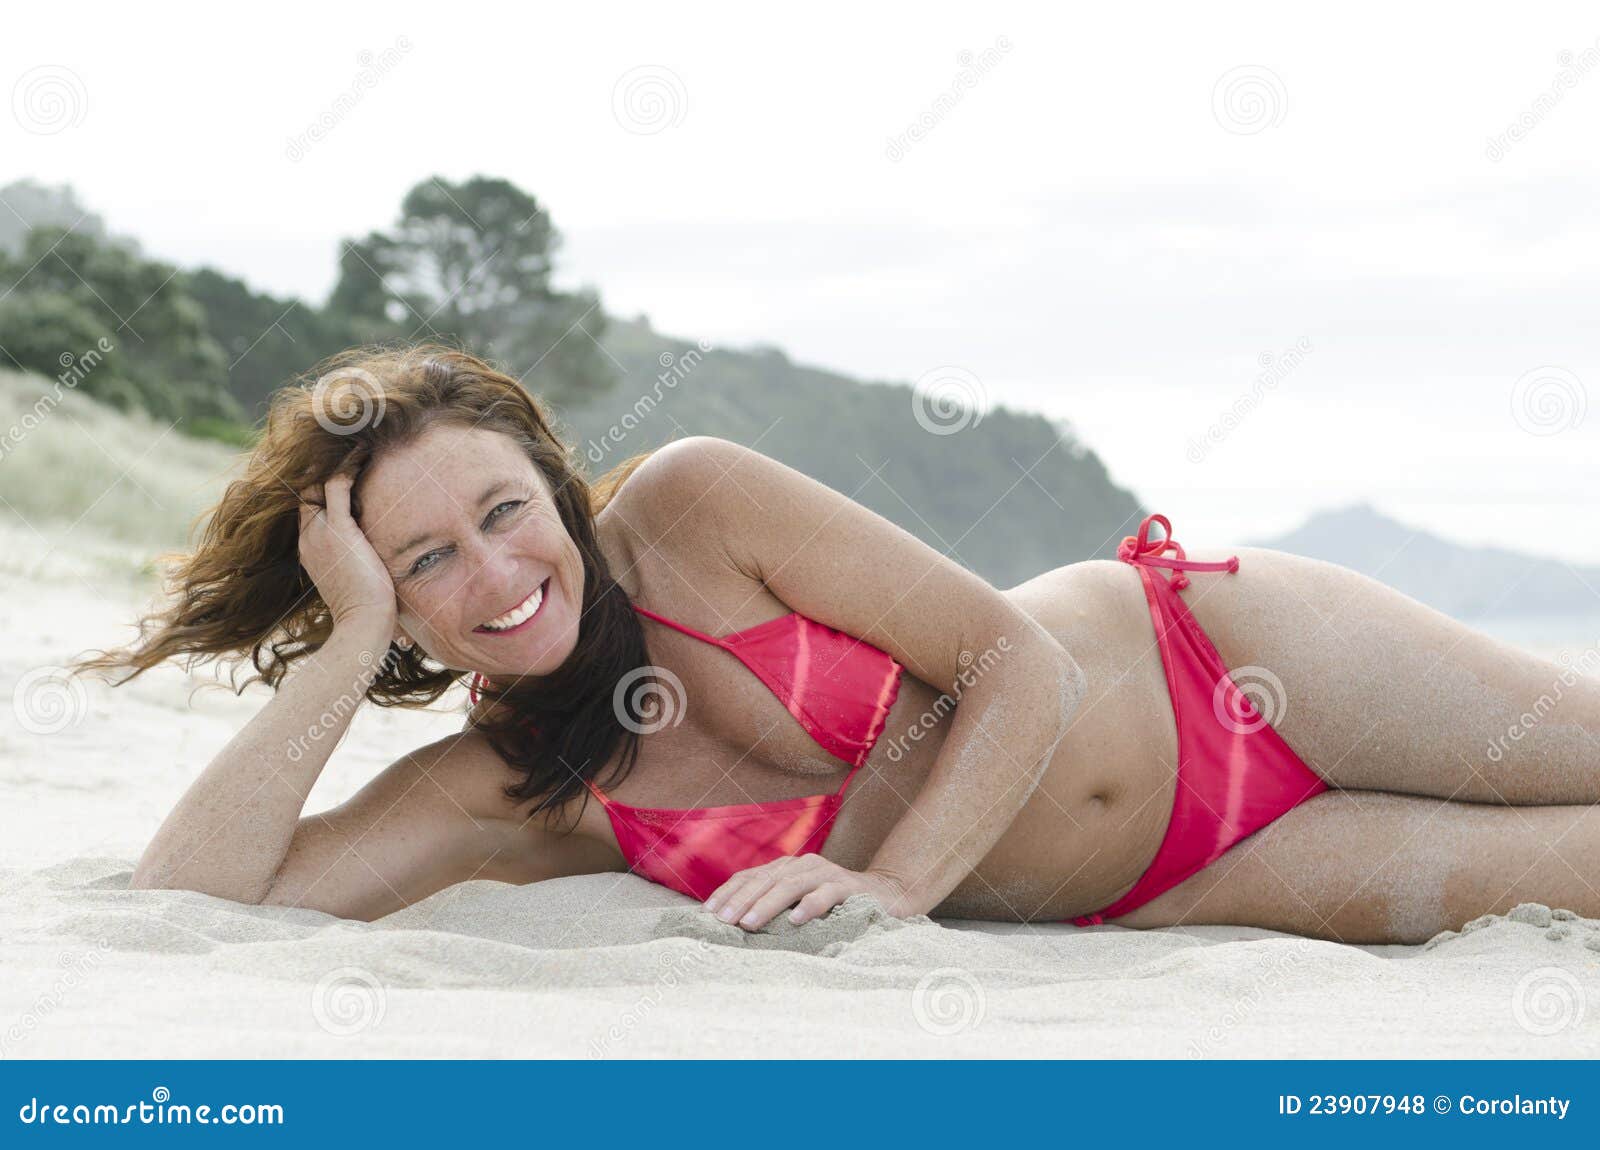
(518, 614)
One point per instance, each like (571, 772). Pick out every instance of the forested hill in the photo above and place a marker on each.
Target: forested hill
(1009, 495)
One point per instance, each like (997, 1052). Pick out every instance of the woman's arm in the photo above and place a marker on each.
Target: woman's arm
(231, 834)
(430, 820)
(230, 831)
(1001, 739)
(828, 557)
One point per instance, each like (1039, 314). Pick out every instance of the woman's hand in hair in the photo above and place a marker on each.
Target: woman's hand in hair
(348, 573)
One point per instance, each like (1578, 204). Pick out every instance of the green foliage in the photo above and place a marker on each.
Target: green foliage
(1008, 496)
(221, 430)
(269, 341)
(471, 263)
(78, 292)
(38, 329)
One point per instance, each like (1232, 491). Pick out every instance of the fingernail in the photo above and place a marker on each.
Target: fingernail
(726, 914)
(794, 916)
(749, 918)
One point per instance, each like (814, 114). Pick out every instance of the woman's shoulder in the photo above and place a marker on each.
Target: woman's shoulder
(665, 515)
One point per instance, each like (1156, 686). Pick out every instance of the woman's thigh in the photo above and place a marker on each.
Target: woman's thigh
(1374, 867)
(1376, 691)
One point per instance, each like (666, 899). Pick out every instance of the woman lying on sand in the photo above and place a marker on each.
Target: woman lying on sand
(714, 646)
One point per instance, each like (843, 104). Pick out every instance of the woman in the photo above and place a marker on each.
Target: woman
(713, 646)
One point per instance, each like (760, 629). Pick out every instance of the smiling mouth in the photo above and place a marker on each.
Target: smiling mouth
(520, 616)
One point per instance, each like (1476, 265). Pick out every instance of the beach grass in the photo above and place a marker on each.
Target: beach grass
(76, 471)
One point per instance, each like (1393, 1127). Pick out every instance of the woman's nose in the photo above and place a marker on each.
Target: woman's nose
(494, 566)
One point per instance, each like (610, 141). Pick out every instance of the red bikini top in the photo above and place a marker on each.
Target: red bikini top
(838, 687)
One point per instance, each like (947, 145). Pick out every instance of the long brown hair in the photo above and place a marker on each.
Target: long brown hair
(242, 591)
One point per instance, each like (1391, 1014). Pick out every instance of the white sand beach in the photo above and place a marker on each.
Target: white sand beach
(612, 965)
(598, 966)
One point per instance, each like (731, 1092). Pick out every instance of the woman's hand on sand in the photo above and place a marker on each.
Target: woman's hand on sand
(348, 573)
(752, 897)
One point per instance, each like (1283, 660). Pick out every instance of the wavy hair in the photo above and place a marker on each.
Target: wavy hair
(241, 592)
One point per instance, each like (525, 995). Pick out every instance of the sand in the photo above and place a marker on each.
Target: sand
(611, 965)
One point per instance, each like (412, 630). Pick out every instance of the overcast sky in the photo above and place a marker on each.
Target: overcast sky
(1112, 218)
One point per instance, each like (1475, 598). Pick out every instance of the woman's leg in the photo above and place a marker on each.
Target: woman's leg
(1377, 692)
(1364, 866)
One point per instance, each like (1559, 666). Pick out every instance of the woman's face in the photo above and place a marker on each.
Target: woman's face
(486, 575)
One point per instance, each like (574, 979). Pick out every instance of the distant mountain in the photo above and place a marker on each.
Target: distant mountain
(1009, 495)
(1464, 582)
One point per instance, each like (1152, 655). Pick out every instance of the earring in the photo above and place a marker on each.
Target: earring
(403, 643)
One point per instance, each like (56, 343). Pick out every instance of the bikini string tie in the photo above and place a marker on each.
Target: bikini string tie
(1141, 550)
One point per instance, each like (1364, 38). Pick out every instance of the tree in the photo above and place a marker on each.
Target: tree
(270, 341)
(54, 335)
(75, 284)
(471, 263)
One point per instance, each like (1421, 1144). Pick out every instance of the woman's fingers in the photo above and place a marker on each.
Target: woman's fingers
(337, 495)
(735, 899)
(787, 891)
(752, 897)
(308, 512)
(819, 902)
(349, 575)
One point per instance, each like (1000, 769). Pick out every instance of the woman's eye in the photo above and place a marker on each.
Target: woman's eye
(422, 563)
(496, 513)
(503, 508)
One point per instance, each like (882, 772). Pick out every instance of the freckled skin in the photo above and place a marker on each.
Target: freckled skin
(469, 575)
(1392, 703)
(1436, 817)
